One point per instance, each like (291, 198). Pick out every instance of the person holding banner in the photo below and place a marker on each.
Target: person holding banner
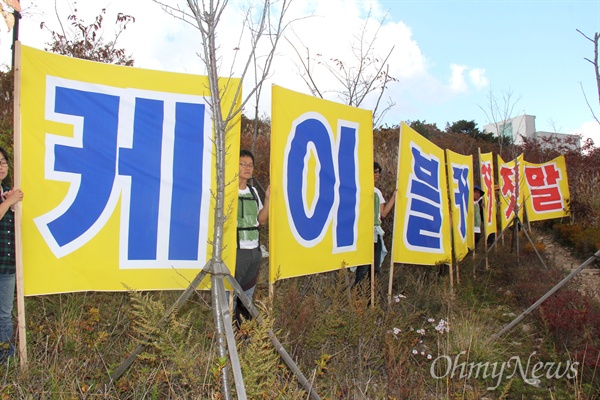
(478, 205)
(251, 213)
(381, 210)
(8, 198)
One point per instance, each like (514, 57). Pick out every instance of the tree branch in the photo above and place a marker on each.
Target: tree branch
(596, 70)
(588, 103)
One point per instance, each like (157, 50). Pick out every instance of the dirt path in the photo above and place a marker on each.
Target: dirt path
(560, 255)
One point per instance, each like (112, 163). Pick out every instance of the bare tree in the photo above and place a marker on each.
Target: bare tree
(556, 128)
(594, 62)
(86, 40)
(499, 111)
(366, 73)
(261, 63)
(205, 16)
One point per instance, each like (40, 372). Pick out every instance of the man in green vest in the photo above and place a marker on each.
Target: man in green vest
(381, 209)
(251, 213)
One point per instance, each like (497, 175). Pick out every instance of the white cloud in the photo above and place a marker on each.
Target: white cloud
(478, 78)
(589, 129)
(159, 41)
(457, 78)
(329, 29)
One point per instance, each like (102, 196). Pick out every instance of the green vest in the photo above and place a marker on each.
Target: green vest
(377, 210)
(247, 217)
(478, 212)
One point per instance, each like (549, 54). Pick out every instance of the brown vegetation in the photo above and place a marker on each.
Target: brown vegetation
(348, 348)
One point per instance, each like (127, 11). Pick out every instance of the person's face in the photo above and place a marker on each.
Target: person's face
(3, 167)
(246, 167)
(376, 174)
(476, 194)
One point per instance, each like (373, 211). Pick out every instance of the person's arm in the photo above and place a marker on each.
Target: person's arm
(263, 214)
(4, 206)
(10, 198)
(385, 209)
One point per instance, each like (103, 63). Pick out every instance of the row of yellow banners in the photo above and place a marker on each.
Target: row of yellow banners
(117, 165)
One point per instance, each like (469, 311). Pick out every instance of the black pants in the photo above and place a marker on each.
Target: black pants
(364, 270)
(246, 274)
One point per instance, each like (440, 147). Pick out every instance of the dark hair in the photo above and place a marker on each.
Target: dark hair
(247, 153)
(4, 153)
(376, 166)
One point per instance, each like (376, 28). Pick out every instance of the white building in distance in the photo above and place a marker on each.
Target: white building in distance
(523, 126)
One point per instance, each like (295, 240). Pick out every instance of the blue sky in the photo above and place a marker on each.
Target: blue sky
(448, 57)
(531, 48)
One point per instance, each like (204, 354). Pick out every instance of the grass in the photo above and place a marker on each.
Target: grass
(346, 347)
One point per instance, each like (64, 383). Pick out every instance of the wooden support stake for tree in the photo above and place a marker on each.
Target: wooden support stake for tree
(161, 324)
(545, 297)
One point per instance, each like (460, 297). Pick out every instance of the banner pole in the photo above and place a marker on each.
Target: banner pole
(484, 222)
(517, 209)
(453, 257)
(391, 279)
(373, 282)
(21, 327)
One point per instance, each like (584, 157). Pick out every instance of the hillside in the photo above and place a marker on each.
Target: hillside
(346, 347)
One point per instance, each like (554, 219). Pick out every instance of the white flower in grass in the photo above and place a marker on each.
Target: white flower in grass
(415, 351)
(397, 331)
(442, 327)
(398, 297)
(429, 357)
(430, 320)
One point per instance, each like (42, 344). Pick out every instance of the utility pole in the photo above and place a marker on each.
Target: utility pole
(17, 16)
(12, 23)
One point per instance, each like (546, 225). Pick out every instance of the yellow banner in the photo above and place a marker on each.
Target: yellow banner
(546, 190)
(422, 220)
(486, 170)
(117, 170)
(321, 208)
(511, 186)
(462, 211)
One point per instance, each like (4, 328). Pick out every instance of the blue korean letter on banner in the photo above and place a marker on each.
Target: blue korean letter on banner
(118, 166)
(321, 207)
(422, 224)
(460, 187)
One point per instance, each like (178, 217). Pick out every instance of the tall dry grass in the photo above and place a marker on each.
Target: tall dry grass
(349, 348)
